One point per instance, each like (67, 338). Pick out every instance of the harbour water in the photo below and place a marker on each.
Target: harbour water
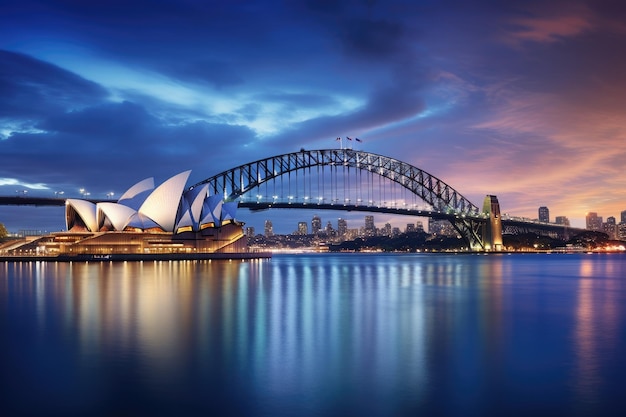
(316, 335)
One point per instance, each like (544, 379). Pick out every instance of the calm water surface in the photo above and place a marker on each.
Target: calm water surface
(316, 335)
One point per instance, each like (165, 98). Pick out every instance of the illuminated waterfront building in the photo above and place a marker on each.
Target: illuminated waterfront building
(167, 219)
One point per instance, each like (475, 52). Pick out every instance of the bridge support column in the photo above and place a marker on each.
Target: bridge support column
(492, 229)
(471, 230)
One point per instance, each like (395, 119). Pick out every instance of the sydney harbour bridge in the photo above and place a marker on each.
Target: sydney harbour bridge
(353, 180)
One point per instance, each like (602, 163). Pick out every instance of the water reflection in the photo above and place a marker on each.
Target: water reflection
(376, 335)
(600, 290)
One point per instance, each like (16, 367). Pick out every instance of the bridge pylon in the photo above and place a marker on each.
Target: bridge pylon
(492, 228)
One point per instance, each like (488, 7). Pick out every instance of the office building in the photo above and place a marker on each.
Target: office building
(562, 220)
(269, 228)
(342, 227)
(316, 225)
(544, 214)
(370, 228)
(610, 227)
(593, 221)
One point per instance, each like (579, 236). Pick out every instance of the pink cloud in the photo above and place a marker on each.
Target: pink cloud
(550, 29)
(544, 149)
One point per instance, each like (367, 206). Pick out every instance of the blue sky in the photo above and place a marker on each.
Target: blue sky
(522, 99)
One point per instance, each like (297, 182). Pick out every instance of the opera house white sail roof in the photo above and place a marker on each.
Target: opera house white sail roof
(167, 208)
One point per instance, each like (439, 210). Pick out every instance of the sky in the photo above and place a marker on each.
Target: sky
(525, 100)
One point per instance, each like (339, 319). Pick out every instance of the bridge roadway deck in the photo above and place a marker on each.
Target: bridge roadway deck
(257, 206)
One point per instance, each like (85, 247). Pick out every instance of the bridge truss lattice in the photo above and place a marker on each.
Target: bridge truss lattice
(346, 177)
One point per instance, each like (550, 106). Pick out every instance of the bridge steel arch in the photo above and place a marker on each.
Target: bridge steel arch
(468, 219)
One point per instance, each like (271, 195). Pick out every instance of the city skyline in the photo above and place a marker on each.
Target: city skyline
(521, 100)
(368, 223)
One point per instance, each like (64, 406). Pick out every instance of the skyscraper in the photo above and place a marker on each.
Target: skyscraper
(370, 229)
(623, 217)
(544, 214)
(303, 228)
(316, 224)
(342, 227)
(610, 227)
(269, 228)
(329, 229)
(593, 221)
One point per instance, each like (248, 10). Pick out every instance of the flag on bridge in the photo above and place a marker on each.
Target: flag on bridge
(358, 140)
(338, 139)
(348, 138)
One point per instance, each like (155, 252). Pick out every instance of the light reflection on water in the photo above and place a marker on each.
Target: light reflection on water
(316, 335)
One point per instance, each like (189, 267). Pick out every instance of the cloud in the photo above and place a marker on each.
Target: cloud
(33, 88)
(212, 72)
(18, 183)
(113, 144)
(384, 105)
(60, 130)
(549, 29)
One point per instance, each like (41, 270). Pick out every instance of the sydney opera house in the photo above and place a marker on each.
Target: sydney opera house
(145, 221)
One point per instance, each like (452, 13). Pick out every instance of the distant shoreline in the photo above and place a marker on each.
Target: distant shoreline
(137, 257)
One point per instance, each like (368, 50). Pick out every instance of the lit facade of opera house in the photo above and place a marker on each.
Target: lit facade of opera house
(168, 219)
